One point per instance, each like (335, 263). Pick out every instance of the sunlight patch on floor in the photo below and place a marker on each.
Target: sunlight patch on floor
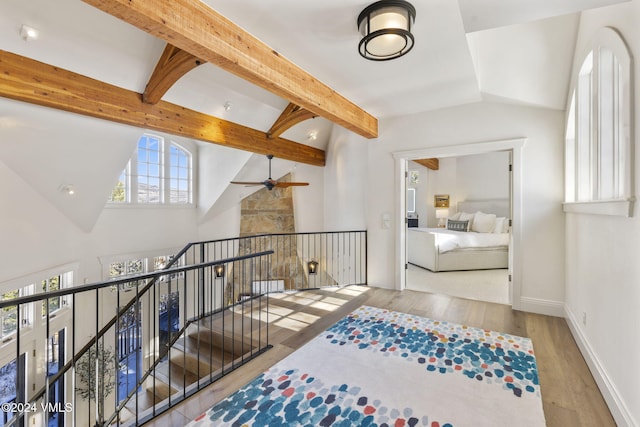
(353, 290)
(296, 320)
(291, 324)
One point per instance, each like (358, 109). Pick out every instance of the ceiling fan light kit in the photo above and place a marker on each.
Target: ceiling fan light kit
(386, 29)
(271, 183)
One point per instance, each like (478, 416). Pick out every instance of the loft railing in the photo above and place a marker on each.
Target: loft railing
(90, 385)
(340, 258)
(131, 354)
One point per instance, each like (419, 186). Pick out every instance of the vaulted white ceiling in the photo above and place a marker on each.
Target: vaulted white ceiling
(515, 51)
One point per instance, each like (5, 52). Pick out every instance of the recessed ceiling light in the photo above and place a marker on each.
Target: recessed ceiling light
(28, 33)
(68, 189)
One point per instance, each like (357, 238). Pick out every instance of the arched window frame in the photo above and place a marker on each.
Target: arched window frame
(599, 133)
(161, 163)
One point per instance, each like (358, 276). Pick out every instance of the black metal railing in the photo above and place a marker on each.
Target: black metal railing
(137, 345)
(340, 258)
(166, 371)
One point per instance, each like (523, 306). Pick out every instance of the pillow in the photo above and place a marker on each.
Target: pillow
(454, 225)
(499, 228)
(465, 216)
(483, 223)
(455, 216)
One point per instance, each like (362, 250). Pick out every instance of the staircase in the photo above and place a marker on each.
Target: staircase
(207, 349)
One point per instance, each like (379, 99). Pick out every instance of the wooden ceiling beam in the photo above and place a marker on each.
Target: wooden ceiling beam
(27, 80)
(194, 27)
(433, 164)
(172, 65)
(292, 115)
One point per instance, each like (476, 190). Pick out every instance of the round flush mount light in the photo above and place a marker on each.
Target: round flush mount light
(385, 27)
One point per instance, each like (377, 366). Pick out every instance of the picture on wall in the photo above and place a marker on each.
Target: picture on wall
(414, 177)
(441, 201)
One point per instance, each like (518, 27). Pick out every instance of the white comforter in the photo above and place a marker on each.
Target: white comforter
(449, 240)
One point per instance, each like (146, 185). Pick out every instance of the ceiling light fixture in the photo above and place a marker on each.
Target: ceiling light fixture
(28, 33)
(227, 106)
(312, 135)
(386, 29)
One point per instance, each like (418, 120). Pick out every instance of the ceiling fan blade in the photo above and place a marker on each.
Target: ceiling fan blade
(271, 183)
(291, 184)
(247, 183)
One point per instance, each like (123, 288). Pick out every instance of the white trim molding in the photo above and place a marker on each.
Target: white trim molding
(605, 207)
(542, 306)
(619, 410)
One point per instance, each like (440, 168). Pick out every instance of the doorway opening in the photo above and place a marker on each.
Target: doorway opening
(405, 272)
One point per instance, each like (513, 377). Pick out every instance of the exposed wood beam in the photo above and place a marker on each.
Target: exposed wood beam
(172, 65)
(194, 27)
(292, 115)
(433, 164)
(27, 80)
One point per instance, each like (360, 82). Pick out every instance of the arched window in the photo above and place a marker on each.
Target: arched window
(598, 135)
(160, 172)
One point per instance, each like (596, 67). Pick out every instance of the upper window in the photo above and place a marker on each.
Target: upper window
(47, 307)
(598, 136)
(160, 172)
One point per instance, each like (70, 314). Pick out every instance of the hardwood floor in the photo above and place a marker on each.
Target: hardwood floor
(569, 393)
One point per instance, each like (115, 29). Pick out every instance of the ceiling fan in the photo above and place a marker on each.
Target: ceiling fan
(271, 183)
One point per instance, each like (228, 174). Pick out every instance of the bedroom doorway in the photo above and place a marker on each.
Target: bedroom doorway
(494, 284)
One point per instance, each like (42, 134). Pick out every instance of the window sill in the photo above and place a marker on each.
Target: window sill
(622, 207)
(110, 205)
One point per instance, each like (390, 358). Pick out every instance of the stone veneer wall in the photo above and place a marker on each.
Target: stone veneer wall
(270, 212)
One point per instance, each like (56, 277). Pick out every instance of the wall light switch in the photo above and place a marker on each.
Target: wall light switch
(386, 221)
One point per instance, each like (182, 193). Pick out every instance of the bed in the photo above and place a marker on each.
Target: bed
(441, 249)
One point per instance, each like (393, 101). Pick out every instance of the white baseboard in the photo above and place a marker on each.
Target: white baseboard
(620, 412)
(541, 306)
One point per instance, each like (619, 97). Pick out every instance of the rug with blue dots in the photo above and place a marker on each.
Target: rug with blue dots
(383, 368)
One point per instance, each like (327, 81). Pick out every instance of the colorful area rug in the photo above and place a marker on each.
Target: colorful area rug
(378, 367)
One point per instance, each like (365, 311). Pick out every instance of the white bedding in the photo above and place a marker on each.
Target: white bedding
(449, 240)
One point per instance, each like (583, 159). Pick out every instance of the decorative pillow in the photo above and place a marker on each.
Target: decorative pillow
(483, 223)
(499, 227)
(454, 225)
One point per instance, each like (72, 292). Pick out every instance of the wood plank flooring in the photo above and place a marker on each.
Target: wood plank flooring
(569, 393)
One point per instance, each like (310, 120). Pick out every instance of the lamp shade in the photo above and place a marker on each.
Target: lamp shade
(385, 27)
(442, 213)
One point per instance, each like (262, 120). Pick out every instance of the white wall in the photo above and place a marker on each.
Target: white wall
(35, 236)
(345, 182)
(482, 176)
(543, 228)
(603, 272)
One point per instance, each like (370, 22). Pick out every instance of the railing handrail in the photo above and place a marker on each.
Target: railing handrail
(122, 279)
(228, 239)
